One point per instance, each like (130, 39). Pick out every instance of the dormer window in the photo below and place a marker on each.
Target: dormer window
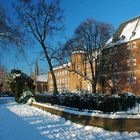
(133, 33)
(122, 37)
(115, 39)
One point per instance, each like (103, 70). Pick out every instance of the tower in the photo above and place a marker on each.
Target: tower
(77, 57)
(36, 68)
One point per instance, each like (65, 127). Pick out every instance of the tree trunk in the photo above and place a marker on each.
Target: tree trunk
(94, 87)
(51, 69)
(94, 82)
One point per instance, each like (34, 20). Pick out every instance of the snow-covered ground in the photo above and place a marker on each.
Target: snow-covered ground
(22, 122)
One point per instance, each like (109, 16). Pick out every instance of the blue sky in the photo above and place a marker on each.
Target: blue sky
(75, 11)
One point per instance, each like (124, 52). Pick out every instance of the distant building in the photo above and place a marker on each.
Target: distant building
(41, 83)
(70, 81)
(40, 80)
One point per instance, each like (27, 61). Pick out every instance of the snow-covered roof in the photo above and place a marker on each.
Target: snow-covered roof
(127, 31)
(75, 52)
(41, 78)
(62, 66)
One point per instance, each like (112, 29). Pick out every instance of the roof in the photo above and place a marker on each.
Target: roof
(77, 52)
(78, 49)
(62, 66)
(127, 31)
(41, 78)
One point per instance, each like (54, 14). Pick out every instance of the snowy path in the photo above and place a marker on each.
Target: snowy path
(22, 122)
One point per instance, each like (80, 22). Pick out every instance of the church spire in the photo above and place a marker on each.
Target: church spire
(36, 68)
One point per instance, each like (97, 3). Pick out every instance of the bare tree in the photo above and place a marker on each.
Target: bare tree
(10, 34)
(41, 19)
(91, 35)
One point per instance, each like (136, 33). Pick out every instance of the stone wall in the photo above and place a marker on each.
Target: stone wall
(121, 124)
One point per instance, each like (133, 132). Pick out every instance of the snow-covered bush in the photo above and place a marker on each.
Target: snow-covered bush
(26, 96)
(30, 100)
(105, 103)
(19, 82)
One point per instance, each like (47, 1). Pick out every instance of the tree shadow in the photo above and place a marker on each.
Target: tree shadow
(15, 127)
(5, 100)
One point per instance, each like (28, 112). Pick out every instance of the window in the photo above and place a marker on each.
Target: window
(131, 61)
(122, 37)
(115, 65)
(62, 72)
(66, 71)
(131, 74)
(115, 49)
(62, 80)
(131, 78)
(110, 51)
(132, 45)
(67, 87)
(78, 67)
(88, 65)
(78, 76)
(110, 67)
(133, 33)
(65, 80)
(88, 75)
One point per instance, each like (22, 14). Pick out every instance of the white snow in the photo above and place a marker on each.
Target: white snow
(130, 27)
(75, 52)
(22, 122)
(127, 31)
(62, 66)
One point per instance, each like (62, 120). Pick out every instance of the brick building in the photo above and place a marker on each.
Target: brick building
(70, 81)
(121, 58)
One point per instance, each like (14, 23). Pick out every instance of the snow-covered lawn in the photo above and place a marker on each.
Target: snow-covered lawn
(22, 122)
